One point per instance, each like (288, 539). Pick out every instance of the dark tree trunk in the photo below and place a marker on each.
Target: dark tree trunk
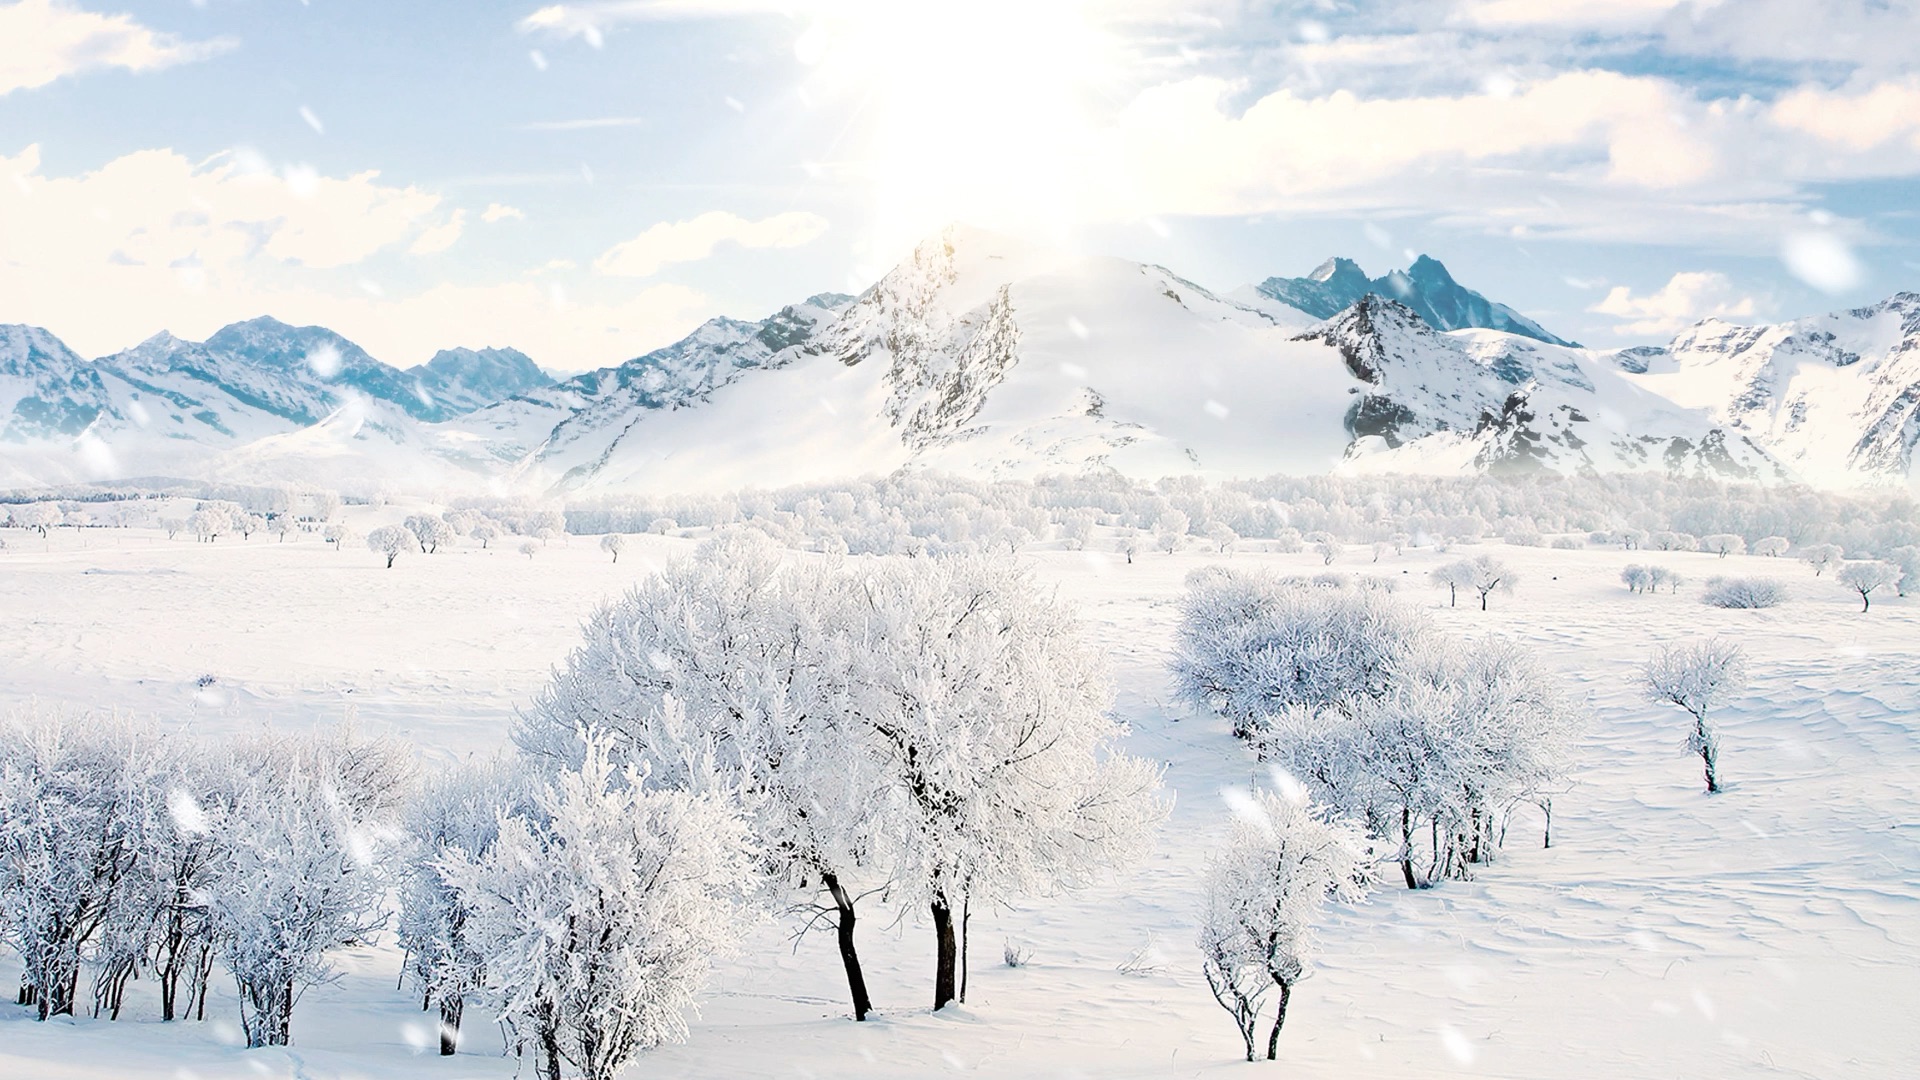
(27, 995)
(1279, 1021)
(1406, 846)
(451, 1006)
(548, 1066)
(849, 958)
(1453, 595)
(1546, 834)
(946, 950)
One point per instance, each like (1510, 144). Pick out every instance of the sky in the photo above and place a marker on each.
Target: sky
(587, 181)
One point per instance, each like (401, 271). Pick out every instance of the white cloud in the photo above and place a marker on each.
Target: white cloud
(1881, 114)
(691, 241)
(501, 212)
(440, 237)
(1685, 299)
(1822, 260)
(44, 40)
(1565, 13)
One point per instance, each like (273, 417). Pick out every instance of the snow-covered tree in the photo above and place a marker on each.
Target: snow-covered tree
(300, 867)
(1325, 546)
(1637, 578)
(1452, 577)
(1771, 546)
(391, 541)
(455, 816)
(990, 714)
(247, 524)
(337, 535)
(1461, 735)
(326, 505)
(1170, 531)
(1250, 644)
(1264, 891)
(37, 516)
(282, 524)
(599, 910)
(1485, 575)
(1223, 537)
(612, 543)
(172, 526)
(1723, 544)
(429, 531)
(484, 531)
(1865, 576)
(67, 841)
(529, 548)
(732, 670)
(1130, 544)
(1697, 677)
(661, 526)
(1820, 556)
(1907, 558)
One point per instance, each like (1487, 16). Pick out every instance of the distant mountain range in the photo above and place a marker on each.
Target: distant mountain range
(985, 356)
(1425, 288)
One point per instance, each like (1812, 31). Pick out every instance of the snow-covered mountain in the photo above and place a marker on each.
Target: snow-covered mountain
(1426, 287)
(985, 356)
(982, 355)
(1833, 397)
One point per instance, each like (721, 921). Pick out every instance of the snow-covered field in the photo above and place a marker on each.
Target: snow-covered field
(1773, 930)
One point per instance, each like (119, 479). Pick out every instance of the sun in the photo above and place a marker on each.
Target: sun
(976, 110)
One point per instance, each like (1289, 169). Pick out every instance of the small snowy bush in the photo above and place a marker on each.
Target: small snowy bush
(1724, 592)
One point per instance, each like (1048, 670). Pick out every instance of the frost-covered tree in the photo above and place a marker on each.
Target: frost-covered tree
(599, 910)
(1866, 576)
(1223, 537)
(1461, 735)
(1723, 544)
(990, 716)
(1250, 644)
(429, 531)
(1771, 546)
(36, 516)
(455, 817)
(1076, 528)
(1264, 891)
(282, 524)
(733, 670)
(1130, 544)
(1170, 531)
(485, 532)
(68, 839)
(1907, 558)
(1482, 574)
(1820, 556)
(1698, 677)
(661, 526)
(529, 548)
(1324, 545)
(612, 543)
(1452, 577)
(172, 526)
(337, 535)
(1637, 578)
(326, 505)
(300, 868)
(247, 524)
(391, 541)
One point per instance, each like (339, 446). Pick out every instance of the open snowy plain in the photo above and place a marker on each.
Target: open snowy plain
(1773, 930)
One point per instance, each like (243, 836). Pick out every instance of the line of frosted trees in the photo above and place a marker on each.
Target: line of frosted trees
(1395, 746)
(745, 734)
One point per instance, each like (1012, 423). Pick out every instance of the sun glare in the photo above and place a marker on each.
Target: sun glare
(975, 110)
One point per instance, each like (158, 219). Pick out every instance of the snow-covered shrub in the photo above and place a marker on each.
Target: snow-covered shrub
(529, 548)
(300, 867)
(1460, 736)
(599, 910)
(1288, 541)
(1659, 575)
(1566, 543)
(1771, 546)
(1865, 576)
(1820, 556)
(391, 541)
(1524, 538)
(1250, 644)
(1326, 546)
(1697, 677)
(1907, 558)
(455, 816)
(1723, 592)
(661, 526)
(1264, 891)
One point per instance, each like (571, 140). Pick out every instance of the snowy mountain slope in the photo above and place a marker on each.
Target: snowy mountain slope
(1835, 397)
(45, 389)
(462, 380)
(981, 355)
(1426, 287)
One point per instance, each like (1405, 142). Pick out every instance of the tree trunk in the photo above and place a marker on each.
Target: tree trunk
(1483, 601)
(1453, 595)
(946, 950)
(1709, 756)
(856, 982)
(451, 1005)
(1279, 1021)
(548, 1067)
(1406, 846)
(965, 915)
(1546, 834)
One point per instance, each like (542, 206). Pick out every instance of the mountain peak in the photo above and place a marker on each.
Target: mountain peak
(1426, 287)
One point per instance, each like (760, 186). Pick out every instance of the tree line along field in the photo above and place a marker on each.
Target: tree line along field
(1734, 933)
